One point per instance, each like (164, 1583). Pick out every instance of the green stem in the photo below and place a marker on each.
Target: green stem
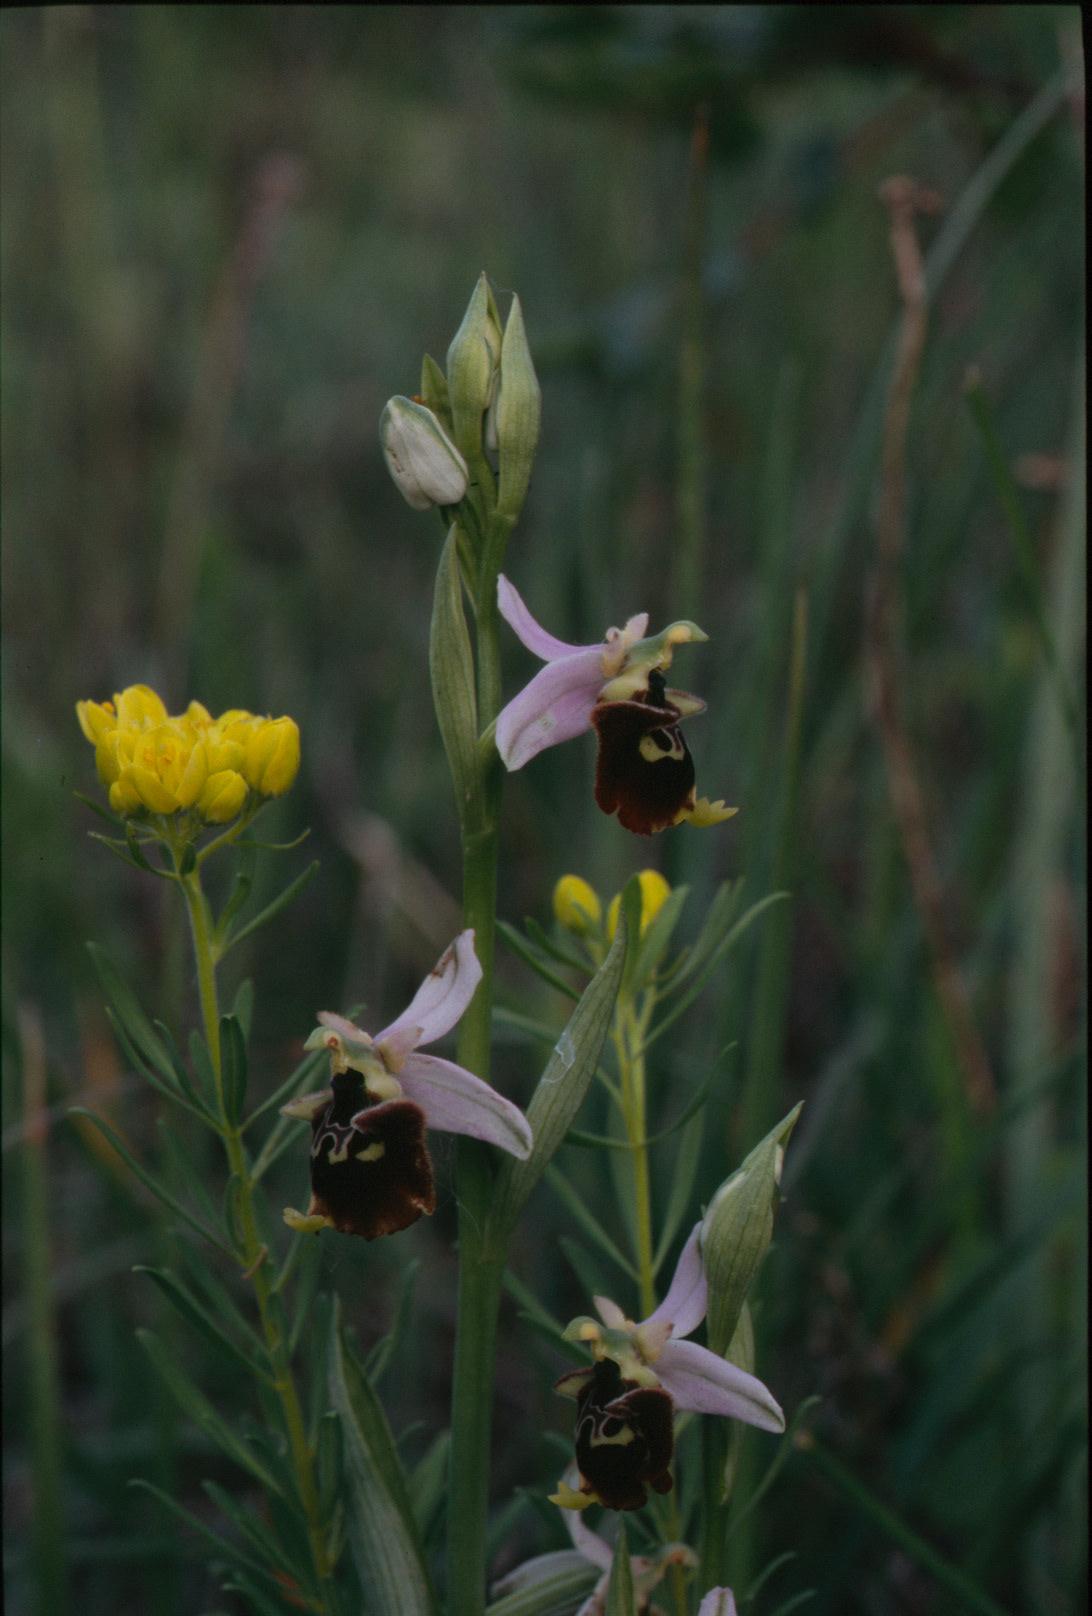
(255, 1254)
(480, 1266)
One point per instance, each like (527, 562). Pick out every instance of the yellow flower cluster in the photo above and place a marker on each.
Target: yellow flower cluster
(149, 760)
(578, 909)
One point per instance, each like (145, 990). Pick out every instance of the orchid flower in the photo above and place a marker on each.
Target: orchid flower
(644, 771)
(589, 1548)
(371, 1173)
(642, 1373)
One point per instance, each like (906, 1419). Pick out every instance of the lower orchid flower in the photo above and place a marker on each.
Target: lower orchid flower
(648, 1570)
(371, 1173)
(644, 772)
(642, 1373)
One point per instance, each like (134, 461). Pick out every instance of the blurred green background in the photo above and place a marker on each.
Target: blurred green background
(228, 236)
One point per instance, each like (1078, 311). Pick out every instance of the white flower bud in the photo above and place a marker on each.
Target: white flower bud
(426, 466)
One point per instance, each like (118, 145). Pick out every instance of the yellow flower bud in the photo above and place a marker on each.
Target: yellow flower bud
(576, 904)
(654, 893)
(273, 756)
(138, 707)
(222, 797)
(124, 798)
(96, 717)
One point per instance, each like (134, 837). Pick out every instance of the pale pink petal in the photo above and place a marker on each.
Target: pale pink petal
(684, 1305)
(458, 1102)
(589, 1543)
(441, 998)
(511, 606)
(609, 1312)
(700, 1381)
(555, 706)
(718, 1602)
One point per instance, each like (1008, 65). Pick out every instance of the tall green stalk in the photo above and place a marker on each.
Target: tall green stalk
(255, 1254)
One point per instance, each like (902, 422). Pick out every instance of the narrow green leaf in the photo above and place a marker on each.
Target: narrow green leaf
(381, 1527)
(292, 890)
(737, 1230)
(519, 945)
(390, 1345)
(631, 907)
(600, 1141)
(221, 1545)
(233, 1055)
(240, 888)
(252, 1527)
(243, 1008)
(621, 1600)
(451, 666)
(541, 938)
(127, 1008)
(296, 1083)
(682, 1186)
(587, 1220)
(191, 1309)
(559, 1594)
(194, 1403)
(157, 1189)
(97, 808)
(654, 943)
(720, 915)
(727, 942)
(182, 1077)
(561, 1088)
(428, 1484)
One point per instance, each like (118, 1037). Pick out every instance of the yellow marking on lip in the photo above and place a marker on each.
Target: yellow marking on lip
(372, 1152)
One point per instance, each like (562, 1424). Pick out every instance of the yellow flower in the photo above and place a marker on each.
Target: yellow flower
(138, 707)
(576, 904)
(654, 894)
(168, 766)
(273, 756)
(223, 796)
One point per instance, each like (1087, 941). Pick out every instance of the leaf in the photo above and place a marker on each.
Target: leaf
(451, 668)
(737, 1230)
(382, 1531)
(221, 1545)
(558, 1594)
(233, 1056)
(620, 1595)
(658, 934)
(542, 939)
(138, 1027)
(191, 1309)
(587, 1220)
(726, 943)
(428, 1484)
(385, 1349)
(243, 1008)
(182, 1076)
(298, 1082)
(631, 909)
(250, 1525)
(200, 1410)
(240, 889)
(519, 945)
(153, 1184)
(284, 898)
(170, 1090)
(682, 1185)
(561, 1089)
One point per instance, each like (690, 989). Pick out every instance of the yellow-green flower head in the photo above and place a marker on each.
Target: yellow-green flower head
(223, 797)
(272, 756)
(654, 894)
(576, 904)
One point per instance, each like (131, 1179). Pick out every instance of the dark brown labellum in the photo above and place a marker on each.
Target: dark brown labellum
(644, 770)
(371, 1172)
(624, 1437)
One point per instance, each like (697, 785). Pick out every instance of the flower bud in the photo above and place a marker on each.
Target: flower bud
(426, 466)
(472, 362)
(223, 797)
(654, 894)
(273, 756)
(516, 415)
(139, 707)
(576, 904)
